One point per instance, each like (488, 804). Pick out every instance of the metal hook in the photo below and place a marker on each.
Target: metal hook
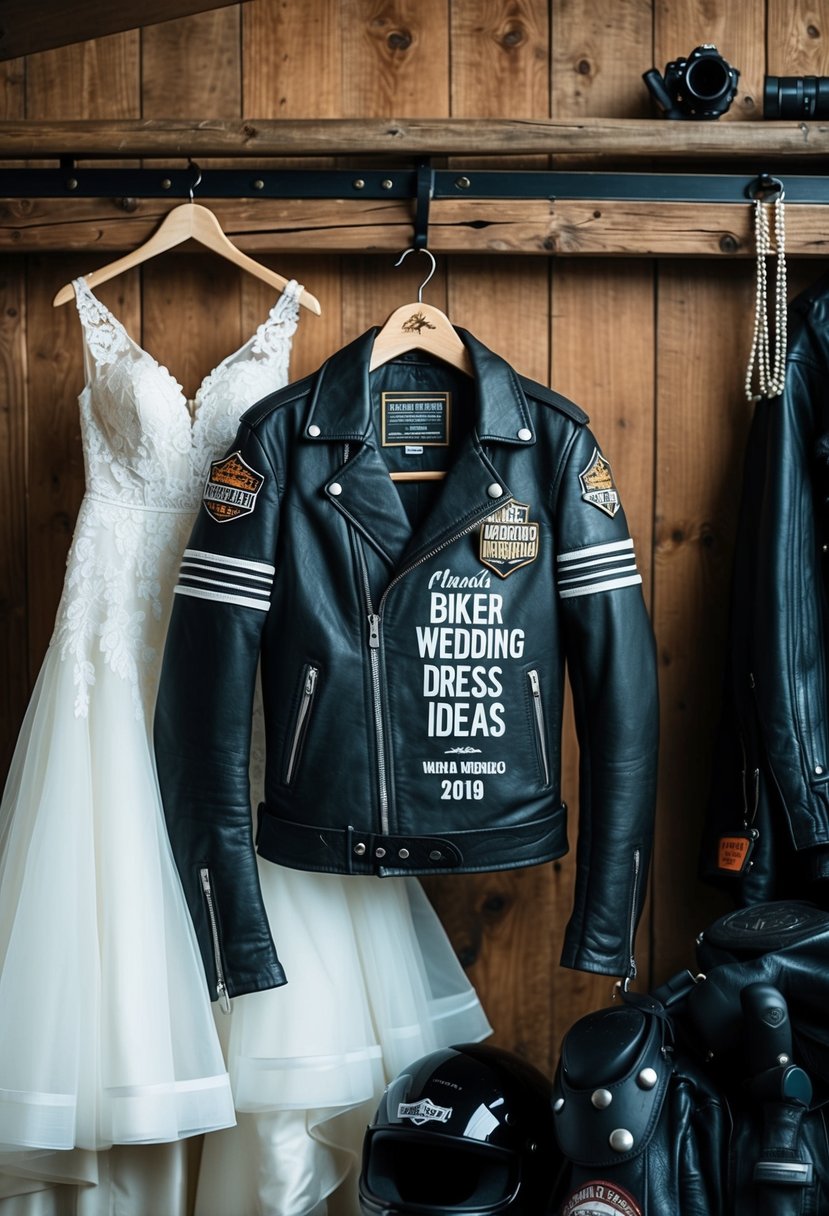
(431, 257)
(766, 188)
(191, 164)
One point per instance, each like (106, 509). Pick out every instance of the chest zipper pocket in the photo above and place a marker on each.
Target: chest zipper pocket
(310, 676)
(540, 727)
(221, 985)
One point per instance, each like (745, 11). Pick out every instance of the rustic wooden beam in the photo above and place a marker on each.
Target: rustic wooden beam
(28, 27)
(100, 227)
(641, 139)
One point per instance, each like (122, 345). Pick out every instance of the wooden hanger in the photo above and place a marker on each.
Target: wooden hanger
(419, 326)
(189, 220)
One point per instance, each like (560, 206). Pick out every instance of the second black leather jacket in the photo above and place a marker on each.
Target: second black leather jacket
(767, 829)
(413, 637)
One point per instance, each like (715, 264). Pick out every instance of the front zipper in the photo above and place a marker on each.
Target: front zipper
(309, 686)
(221, 986)
(538, 711)
(374, 642)
(632, 923)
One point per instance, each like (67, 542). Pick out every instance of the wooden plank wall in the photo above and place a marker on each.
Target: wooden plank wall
(654, 351)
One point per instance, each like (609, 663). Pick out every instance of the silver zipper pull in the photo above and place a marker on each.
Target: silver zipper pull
(373, 630)
(310, 681)
(535, 684)
(224, 999)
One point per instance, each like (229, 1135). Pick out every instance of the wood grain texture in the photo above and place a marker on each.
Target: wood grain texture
(192, 66)
(398, 57)
(266, 137)
(797, 38)
(292, 64)
(571, 229)
(85, 81)
(599, 53)
(500, 59)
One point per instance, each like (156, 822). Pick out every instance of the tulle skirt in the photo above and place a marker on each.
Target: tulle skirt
(106, 1030)
(373, 984)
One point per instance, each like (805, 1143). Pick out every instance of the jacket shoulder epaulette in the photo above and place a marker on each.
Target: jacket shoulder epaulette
(550, 397)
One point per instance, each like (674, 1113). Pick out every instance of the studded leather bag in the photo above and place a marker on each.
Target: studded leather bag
(643, 1124)
(707, 1097)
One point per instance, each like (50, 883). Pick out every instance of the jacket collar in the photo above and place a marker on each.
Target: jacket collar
(341, 406)
(340, 411)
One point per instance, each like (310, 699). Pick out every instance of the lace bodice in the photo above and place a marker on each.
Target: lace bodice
(144, 442)
(147, 449)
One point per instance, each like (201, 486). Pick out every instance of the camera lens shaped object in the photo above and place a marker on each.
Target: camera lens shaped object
(796, 97)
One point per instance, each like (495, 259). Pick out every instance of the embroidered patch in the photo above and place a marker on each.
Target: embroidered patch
(508, 539)
(424, 1111)
(601, 1198)
(231, 489)
(598, 486)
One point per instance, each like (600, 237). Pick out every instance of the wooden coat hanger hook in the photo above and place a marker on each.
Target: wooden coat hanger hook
(188, 221)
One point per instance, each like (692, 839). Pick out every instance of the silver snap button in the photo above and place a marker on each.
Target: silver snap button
(601, 1098)
(558, 1105)
(647, 1078)
(525, 434)
(819, 769)
(620, 1140)
(335, 488)
(435, 855)
(404, 853)
(380, 852)
(313, 430)
(359, 849)
(494, 491)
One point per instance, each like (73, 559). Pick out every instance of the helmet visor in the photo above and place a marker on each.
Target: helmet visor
(432, 1173)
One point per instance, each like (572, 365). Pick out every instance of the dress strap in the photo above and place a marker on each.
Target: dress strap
(104, 336)
(279, 326)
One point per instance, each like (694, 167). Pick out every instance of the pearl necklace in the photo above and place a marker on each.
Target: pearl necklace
(769, 381)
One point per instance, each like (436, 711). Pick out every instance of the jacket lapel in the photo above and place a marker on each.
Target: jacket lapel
(340, 411)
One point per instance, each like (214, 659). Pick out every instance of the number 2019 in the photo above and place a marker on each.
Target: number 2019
(459, 790)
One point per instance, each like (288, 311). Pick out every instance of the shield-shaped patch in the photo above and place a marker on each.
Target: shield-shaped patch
(598, 486)
(231, 488)
(508, 539)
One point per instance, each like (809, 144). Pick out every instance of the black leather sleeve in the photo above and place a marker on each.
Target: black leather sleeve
(612, 670)
(203, 716)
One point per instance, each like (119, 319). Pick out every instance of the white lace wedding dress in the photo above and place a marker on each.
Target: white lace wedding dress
(107, 1036)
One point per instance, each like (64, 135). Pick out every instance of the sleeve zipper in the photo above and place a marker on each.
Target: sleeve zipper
(221, 986)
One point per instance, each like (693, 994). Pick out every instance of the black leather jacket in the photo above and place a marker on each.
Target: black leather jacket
(770, 787)
(413, 638)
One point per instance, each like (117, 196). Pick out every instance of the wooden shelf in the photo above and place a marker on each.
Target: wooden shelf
(643, 139)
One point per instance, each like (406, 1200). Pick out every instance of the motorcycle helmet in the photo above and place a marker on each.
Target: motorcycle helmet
(465, 1129)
